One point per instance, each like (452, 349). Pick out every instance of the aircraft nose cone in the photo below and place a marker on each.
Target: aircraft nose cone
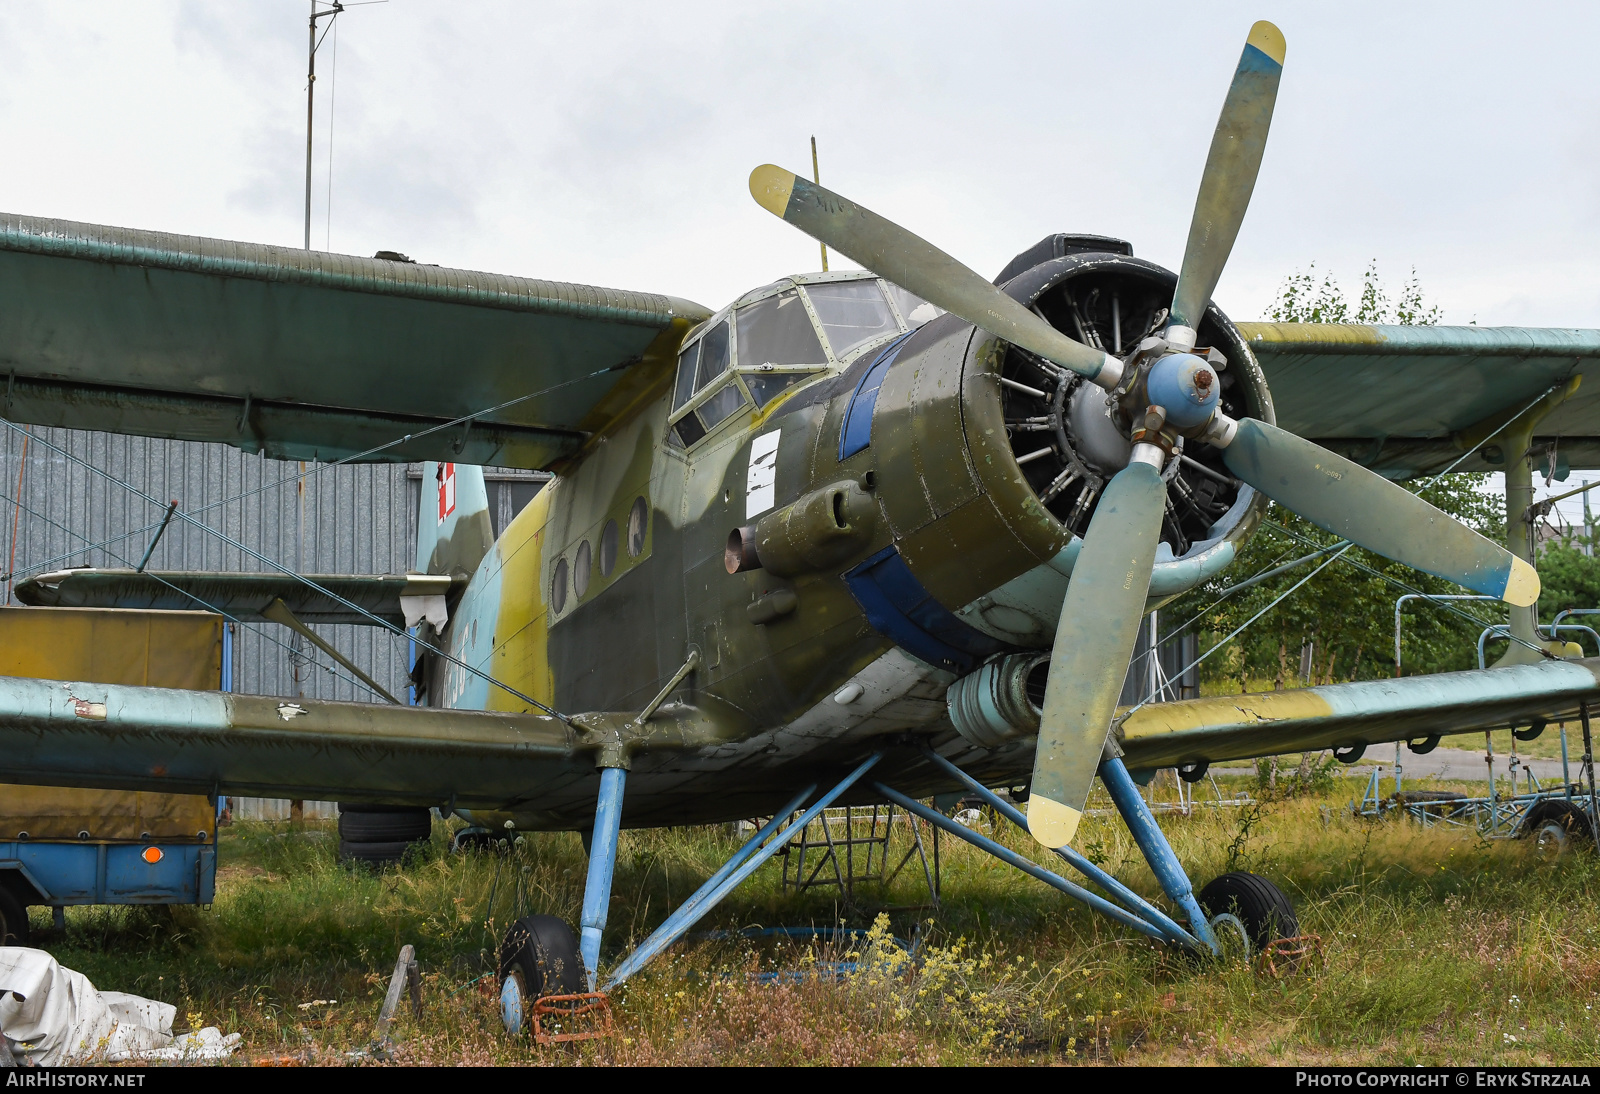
(1186, 387)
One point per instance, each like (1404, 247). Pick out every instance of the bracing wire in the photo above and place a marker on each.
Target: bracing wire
(358, 457)
(1242, 626)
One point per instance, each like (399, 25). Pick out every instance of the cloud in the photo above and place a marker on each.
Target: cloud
(610, 142)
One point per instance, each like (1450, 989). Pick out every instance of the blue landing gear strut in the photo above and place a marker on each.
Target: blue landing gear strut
(603, 860)
(1149, 919)
(1125, 906)
(1130, 908)
(602, 865)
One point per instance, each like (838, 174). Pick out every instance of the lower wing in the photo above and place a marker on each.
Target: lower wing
(115, 737)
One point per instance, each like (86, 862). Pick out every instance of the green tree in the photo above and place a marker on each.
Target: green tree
(1569, 577)
(1302, 298)
(1342, 619)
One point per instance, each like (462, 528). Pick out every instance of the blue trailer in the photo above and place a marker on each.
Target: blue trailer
(60, 846)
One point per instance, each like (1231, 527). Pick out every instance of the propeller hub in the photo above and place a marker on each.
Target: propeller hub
(1186, 387)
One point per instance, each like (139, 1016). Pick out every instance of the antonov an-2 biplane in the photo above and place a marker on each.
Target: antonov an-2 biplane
(858, 536)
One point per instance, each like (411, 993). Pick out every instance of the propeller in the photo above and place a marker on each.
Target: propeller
(1099, 624)
(921, 268)
(1370, 511)
(1111, 578)
(1229, 178)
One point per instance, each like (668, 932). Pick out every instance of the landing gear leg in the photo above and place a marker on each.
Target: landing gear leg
(1157, 851)
(602, 864)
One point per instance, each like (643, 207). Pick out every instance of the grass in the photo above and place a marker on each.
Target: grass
(1437, 948)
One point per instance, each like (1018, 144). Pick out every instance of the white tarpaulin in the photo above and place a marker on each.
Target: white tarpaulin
(54, 1016)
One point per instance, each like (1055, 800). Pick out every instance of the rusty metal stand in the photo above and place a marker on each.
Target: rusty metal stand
(825, 852)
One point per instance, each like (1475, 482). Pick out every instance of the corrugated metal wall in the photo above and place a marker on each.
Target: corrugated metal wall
(356, 518)
(79, 498)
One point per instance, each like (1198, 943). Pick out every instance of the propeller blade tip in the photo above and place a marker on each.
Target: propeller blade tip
(1522, 587)
(1052, 823)
(1269, 40)
(771, 187)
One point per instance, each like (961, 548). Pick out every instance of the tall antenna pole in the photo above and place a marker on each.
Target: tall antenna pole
(311, 96)
(816, 177)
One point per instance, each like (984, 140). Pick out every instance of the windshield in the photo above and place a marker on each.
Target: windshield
(852, 312)
(913, 309)
(777, 331)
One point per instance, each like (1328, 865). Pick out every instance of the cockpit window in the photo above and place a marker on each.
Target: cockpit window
(713, 354)
(852, 313)
(913, 309)
(778, 331)
(699, 367)
(686, 367)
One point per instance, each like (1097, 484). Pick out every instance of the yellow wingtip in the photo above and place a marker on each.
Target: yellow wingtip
(1052, 823)
(1268, 39)
(771, 187)
(1522, 587)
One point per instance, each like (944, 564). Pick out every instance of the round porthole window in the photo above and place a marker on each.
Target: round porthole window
(638, 521)
(608, 548)
(580, 569)
(558, 587)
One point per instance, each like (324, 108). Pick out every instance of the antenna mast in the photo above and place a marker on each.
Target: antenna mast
(816, 177)
(311, 94)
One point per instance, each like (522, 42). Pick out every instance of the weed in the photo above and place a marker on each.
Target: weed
(1438, 949)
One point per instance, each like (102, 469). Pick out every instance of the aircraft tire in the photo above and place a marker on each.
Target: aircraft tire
(538, 957)
(384, 824)
(1260, 905)
(1565, 820)
(14, 928)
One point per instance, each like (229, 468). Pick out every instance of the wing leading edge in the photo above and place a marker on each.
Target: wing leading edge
(310, 355)
(245, 597)
(1370, 712)
(1405, 400)
(120, 738)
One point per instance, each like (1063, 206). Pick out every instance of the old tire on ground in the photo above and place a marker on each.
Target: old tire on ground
(1260, 906)
(538, 957)
(1555, 825)
(384, 824)
(13, 920)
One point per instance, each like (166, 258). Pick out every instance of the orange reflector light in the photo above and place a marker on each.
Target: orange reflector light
(152, 855)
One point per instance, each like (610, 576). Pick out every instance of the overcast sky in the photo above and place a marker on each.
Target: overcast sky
(611, 143)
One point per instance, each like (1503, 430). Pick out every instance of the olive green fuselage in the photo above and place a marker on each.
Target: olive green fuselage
(586, 610)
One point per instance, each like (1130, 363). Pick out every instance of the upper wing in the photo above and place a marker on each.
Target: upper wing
(1371, 712)
(1406, 400)
(311, 355)
(241, 596)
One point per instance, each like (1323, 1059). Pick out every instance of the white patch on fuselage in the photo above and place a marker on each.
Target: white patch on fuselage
(760, 481)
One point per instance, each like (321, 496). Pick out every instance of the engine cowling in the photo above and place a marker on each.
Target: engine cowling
(990, 466)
